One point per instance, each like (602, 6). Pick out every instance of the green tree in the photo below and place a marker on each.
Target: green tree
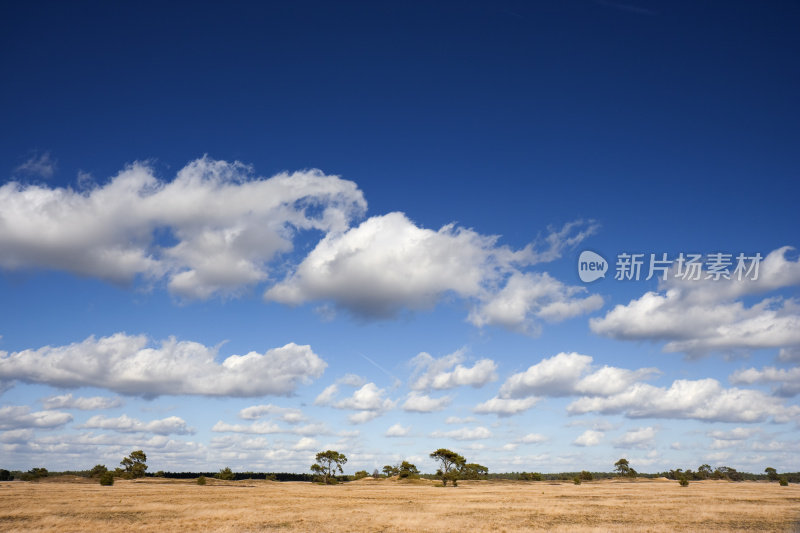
(772, 474)
(361, 474)
(390, 470)
(704, 471)
(576, 480)
(783, 481)
(5, 475)
(473, 471)
(450, 463)
(98, 470)
(226, 474)
(622, 467)
(135, 464)
(34, 474)
(406, 469)
(586, 476)
(328, 462)
(683, 481)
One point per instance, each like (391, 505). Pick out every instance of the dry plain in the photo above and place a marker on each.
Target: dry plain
(385, 505)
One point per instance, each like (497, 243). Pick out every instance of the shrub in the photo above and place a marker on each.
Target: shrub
(5, 475)
(361, 474)
(683, 481)
(98, 470)
(201, 480)
(586, 476)
(107, 478)
(783, 482)
(226, 474)
(576, 480)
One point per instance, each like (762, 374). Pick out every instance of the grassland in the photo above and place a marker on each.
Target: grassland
(384, 505)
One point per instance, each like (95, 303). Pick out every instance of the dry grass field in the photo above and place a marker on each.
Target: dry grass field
(383, 505)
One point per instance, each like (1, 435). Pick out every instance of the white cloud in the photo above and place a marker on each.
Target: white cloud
(447, 372)
(532, 438)
(228, 225)
(505, 406)
(306, 443)
(126, 365)
(351, 380)
(388, 263)
(66, 401)
(637, 438)
(589, 437)
(21, 417)
(287, 414)
(527, 297)
(786, 382)
(697, 317)
(16, 436)
(459, 420)
(398, 430)
(422, 403)
(255, 428)
(703, 399)
(568, 374)
(734, 434)
(125, 424)
(468, 433)
(40, 164)
(369, 400)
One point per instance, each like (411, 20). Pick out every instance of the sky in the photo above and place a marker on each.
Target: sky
(237, 235)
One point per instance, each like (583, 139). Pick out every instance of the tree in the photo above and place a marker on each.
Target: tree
(328, 462)
(361, 474)
(473, 471)
(376, 474)
(683, 482)
(5, 475)
(586, 476)
(772, 474)
(98, 470)
(34, 474)
(107, 478)
(450, 463)
(226, 474)
(704, 471)
(783, 482)
(622, 467)
(406, 469)
(390, 470)
(134, 464)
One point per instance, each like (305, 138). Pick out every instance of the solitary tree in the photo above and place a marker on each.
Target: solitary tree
(450, 463)
(622, 467)
(226, 474)
(328, 462)
(406, 469)
(772, 474)
(134, 464)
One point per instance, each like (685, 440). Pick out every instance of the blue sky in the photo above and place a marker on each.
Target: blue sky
(238, 235)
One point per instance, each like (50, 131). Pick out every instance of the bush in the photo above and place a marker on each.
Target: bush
(5, 475)
(783, 482)
(201, 480)
(361, 474)
(98, 470)
(530, 476)
(683, 481)
(107, 478)
(226, 474)
(586, 476)
(576, 480)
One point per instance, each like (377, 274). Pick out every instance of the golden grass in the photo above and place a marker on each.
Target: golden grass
(381, 505)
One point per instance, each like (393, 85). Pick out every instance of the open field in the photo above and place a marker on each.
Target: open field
(382, 505)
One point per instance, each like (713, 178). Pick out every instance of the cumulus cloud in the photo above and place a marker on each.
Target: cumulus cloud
(567, 374)
(306, 443)
(734, 434)
(125, 424)
(21, 417)
(388, 263)
(504, 406)
(398, 430)
(527, 297)
(637, 438)
(369, 401)
(589, 437)
(16, 436)
(447, 372)
(256, 428)
(475, 433)
(422, 403)
(128, 365)
(39, 165)
(785, 382)
(701, 316)
(287, 414)
(703, 399)
(459, 420)
(532, 438)
(67, 401)
(226, 225)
